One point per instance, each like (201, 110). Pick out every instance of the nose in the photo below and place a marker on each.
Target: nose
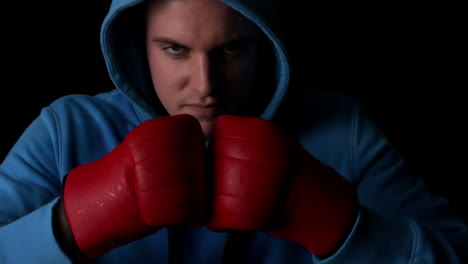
(202, 75)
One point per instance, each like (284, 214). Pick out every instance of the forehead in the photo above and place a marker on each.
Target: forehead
(189, 5)
(194, 18)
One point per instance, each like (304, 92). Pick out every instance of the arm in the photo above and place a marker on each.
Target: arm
(58, 223)
(397, 221)
(400, 217)
(154, 178)
(30, 185)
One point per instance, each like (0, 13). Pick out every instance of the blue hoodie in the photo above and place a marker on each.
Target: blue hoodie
(400, 220)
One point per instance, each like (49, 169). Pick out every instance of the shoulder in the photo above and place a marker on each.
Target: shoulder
(85, 127)
(318, 108)
(104, 107)
(324, 122)
(105, 117)
(111, 100)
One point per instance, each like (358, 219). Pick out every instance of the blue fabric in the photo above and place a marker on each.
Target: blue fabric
(400, 220)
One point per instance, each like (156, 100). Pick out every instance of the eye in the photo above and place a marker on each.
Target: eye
(174, 49)
(234, 48)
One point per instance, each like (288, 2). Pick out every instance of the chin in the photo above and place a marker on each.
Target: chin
(207, 127)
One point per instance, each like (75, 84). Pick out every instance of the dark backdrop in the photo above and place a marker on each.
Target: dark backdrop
(400, 60)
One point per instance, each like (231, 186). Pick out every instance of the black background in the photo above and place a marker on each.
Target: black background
(402, 61)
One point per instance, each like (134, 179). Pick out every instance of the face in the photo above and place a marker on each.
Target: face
(202, 58)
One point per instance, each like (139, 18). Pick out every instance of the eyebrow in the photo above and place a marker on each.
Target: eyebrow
(169, 41)
(164, 40)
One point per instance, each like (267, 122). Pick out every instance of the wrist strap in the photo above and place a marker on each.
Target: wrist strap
(64, 236)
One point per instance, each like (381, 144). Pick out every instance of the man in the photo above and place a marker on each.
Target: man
(204, 154)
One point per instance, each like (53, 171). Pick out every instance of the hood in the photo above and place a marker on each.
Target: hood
(122, 42)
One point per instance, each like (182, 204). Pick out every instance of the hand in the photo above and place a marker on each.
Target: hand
(265, 181)
(155, 177)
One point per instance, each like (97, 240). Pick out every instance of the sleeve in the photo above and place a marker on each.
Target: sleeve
(30, 185)
(401, 220)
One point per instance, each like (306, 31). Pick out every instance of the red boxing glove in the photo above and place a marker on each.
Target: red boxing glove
(154, 178)
(265, 181)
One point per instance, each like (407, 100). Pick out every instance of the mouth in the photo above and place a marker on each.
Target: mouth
(203, 111)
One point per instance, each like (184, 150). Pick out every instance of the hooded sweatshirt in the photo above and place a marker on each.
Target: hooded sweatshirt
(400, 220)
